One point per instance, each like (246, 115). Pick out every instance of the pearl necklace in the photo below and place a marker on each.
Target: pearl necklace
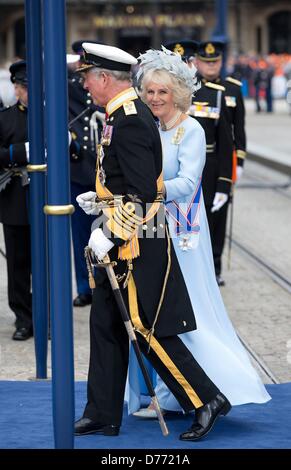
(165, 126)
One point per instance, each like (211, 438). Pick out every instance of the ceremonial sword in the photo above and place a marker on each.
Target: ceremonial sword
(108, 265)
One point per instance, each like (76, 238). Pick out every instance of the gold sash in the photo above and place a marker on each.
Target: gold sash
(122, 220)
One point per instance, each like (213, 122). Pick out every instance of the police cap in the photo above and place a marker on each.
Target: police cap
(210, 51)
(186, 48)
(18, 72)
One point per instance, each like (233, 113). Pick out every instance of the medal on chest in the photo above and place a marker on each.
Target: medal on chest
(106, 135)
(100, 171)
(230, 101)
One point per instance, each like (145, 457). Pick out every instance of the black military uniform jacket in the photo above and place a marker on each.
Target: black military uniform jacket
(13, 135)
(209, 109)
(236, 111)
(131, 165)
(82, 148)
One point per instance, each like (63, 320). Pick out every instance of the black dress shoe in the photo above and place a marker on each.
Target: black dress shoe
(220, 281)
(21, 334)
(86, 426)
(205, 417)
(82, 299)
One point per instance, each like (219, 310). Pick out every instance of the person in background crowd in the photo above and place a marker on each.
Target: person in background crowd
(83, 164)
(14, 154)
(262, 76)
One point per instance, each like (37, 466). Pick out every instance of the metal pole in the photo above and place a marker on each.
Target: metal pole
(58, 211)
(37, 184)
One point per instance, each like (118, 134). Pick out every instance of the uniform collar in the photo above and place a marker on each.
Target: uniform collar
(21, 106)
(216, 80)
(127, 95)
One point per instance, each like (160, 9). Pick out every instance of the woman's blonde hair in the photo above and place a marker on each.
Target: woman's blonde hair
(182, 95)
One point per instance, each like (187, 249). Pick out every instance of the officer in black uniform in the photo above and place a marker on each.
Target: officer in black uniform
(14, 154)
(130, 166)
(83, 164)
(235, 105)
(209, 63)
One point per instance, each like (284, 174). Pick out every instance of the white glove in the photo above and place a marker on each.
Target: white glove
(27, 150)
(87, 202)
(99, 243)
(219, 200)
(239, 172)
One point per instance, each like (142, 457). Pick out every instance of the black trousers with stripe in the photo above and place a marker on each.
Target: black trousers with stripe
(109, 350)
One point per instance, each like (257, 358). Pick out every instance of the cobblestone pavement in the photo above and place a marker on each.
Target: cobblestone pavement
(259, 308)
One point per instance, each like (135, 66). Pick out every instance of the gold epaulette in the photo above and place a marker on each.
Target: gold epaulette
(234, 81)
(215, 86)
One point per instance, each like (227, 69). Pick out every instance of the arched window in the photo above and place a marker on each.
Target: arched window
(279, 26)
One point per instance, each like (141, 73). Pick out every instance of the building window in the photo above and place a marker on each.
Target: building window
(279, 28)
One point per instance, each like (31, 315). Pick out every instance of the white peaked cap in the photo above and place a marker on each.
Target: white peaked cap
(107, 57)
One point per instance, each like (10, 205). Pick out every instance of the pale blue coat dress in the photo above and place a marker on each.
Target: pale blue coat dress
(214, 344)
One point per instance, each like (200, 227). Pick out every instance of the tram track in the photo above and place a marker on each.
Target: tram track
(277, 277)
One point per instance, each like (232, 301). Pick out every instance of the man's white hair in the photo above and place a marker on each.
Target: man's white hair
(118, 75)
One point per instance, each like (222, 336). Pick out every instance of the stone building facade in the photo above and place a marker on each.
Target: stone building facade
(258, 26)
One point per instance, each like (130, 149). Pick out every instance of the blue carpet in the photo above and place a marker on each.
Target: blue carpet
(26, 423)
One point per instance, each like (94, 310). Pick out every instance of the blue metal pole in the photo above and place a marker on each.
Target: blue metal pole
(36, 166)
(220, 31)
(58, 210)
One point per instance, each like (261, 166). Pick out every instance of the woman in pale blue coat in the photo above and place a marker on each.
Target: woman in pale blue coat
(214, 344)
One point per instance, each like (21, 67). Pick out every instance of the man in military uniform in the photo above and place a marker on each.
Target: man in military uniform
(209, 63)
(130, 169)
(14, 154)
(83, 164)
(209, 108)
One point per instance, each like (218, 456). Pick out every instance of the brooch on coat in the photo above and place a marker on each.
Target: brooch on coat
(178, 136)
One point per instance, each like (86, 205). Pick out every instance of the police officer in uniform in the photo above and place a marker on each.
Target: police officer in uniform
(83, 163)
(209, 63)
(14, 154)
(130, 167)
